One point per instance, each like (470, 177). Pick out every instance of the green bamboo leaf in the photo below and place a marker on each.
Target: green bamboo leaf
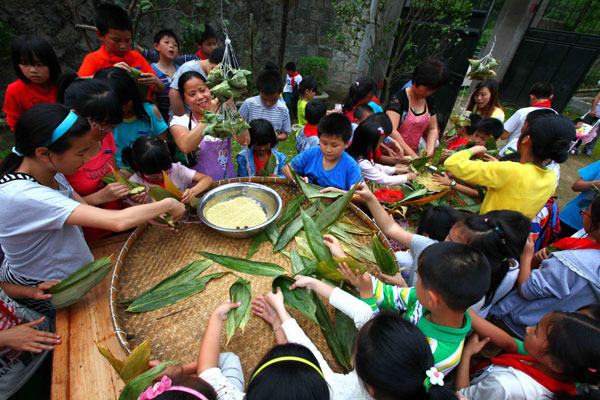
(304, 249)
(291, 209)
(302, 265)
(270, 165)
(361, 253)
(136, 363)
(351, 227)
(133, 389)
(328, 269)
(293, 227)
(158, 193)
(315, 238)
(480, 193)
(491, 144)
(109, 178)
(341, 235)
(335, 210)
(240, 291)
(272, 232)
(413, 195)
(386, 261)
(78, 284)
(161, 298)
(419, 164)
(329, 333)
(346, 333)
(299, 298)
(256, 242)
(245, 266)
(310, 190)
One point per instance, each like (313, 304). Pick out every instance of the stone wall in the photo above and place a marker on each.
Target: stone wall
(308, 23)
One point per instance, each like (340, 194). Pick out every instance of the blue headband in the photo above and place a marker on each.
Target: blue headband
(17, 152)
(64, 126)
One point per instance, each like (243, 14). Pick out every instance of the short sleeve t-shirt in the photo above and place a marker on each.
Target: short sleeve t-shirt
(181, 176)
(310, 164)
(278, 115)
(37, 241)
(570, 214)
(516, 121)
(21, 96)
(131, 129)
(101, 58)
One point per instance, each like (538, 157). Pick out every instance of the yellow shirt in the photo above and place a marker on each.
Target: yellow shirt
(498, 113)
(511, 185)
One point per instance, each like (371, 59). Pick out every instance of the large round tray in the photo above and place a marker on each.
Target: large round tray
(152, 253)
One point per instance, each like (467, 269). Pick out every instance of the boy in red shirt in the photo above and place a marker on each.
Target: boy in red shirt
(114, 30)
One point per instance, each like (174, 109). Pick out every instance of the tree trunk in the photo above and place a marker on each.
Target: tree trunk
(285, 9)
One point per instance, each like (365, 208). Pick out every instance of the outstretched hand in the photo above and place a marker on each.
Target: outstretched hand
(223, 309)
(25, 337)
(358, 279)
(262, 309)
(334, 246)
(474, 345)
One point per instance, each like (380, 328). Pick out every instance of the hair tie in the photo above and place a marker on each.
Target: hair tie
(592, 370)
(434, 377)
(357, 83)
(17, 152)
(380, 129)
(63, 127)
(286, 358)
(164, 385)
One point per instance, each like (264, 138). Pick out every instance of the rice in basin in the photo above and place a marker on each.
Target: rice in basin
(238, 213)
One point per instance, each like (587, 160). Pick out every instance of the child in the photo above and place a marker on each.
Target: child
(206, 44)
(43, 240)
(381, 372)
(464, 134)
(267, 106)
(292, 81)
(307, 91)
(436, 222)
(361, 92)
(113, 28)
(438, 304)
(149, 157)
(540, 97)
(262, 140)
(95, 100)
(308, 135)
(328, 165)
(37, 69)
(211, 156)
(167, 46)
(558, 357)
(486, 128)
(139, 118)
(361, 112)
(484, 101)
(367, 138)
(588, 184)
(25, 336)
(524, 186)
(566, 280)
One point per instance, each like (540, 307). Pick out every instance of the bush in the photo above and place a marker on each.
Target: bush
(317, 67)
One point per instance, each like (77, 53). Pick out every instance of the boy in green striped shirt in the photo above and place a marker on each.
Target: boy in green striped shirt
(451, 278)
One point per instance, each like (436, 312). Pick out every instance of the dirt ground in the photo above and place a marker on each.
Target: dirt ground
(568, 175)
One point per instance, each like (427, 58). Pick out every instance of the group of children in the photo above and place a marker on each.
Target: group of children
(71, 132)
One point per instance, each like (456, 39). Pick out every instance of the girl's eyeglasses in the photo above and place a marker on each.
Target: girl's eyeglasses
(157, 177)
(584, 212)
(100, 128)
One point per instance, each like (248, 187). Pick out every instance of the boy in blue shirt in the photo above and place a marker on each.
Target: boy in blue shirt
(328, 165)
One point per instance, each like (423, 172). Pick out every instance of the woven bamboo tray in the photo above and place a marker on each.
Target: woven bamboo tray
(152, 253)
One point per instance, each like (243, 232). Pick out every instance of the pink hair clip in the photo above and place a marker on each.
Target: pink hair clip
(592, 370)
(164, 385)
(380, 129)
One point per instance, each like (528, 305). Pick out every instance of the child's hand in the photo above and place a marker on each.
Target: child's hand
(396, 279)
(474, 345)
(262, 309)
(528, 250)
(334, 245)
(541, 255)
(303, 282)
(223, 309)
(114, 191)
(275, 300)
(39, 292)
(305, 179)
(148, 79)
(363, 192)
(401, 169)
(176, 210)
(188, 196)
(478, 150)
(489, 158)
(25, 337)
(123, 65)
(331, 189)
(441, 179)
(140, 198)
(361, 281)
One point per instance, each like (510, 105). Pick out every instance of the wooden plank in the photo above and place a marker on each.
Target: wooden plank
(60, 372)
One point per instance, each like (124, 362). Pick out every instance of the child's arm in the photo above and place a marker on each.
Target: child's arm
(496, 335)
(432, 135)
(525, 266)
(110, 192)
(261, 308)
(474, 346)
(25, 337)
(31, 292)
(286, 172)
(208, 357)
(202, 183)
(445, 180)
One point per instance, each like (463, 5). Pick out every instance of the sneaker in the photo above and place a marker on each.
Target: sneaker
(588, 153)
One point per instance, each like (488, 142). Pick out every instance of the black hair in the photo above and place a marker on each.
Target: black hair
(592, 309)
(595, 212)
(292, 380)
(26, 48)
(110, 16)
(269, 82)
(537, 114)
(430, 73)
(307, 83)
(290, 66)
(550, 138)
(165, 32)
(179, 378)
(500, 235)
(474, 118)
(383, 120)
(208, 33)
(270, 65)
(335, 124)
(492, 86)
(436, 222)
(542, 90)
(360, 111)
(360, 89)
(314, 111)
(261, 133)
(186, 76)
(148, 155)
(491, 126)
(464, 278)
(366, 139)
(577, 120)
(34, 130)
(125, 89)
(92, 98)
(216, 56)
(392, 356)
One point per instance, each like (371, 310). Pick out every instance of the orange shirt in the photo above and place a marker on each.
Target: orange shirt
(101, 58)
(21, 96)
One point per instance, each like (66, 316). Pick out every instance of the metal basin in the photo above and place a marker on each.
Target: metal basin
(265, 197)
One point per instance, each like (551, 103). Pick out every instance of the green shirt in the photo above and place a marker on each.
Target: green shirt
(446, 343)
(301, 118)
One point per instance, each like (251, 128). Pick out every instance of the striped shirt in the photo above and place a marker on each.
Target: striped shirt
(278, 115)
(446, 343)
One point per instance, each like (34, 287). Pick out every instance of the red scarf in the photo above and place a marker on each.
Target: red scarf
(522, 364)
(570, 243)
(260, 164)
(375, 100)
(310, 130)
(201, 55)
(293, 82)
(545, 103)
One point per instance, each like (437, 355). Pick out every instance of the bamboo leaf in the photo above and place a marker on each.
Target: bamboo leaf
(310, 190)
(299, 298)
(346, 333)
(161, 298)
(335, 209)
(240, 291)
(341, 235)
(256, 242)
(351, 227)
(157, 193)
(413, 195)
(171, 187)
(272, 232)
(78, 284)
(491, 144)
(245, 266)
(136, 386)
(302, 265)
(328, 269)
(386, 262)
(304, 248)
(269, 167)
(329, 333)
(315, 238)
(293, 227)
(136, 363)
(114, 362)
(291, 209)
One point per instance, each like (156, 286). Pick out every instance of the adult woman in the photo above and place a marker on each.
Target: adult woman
(214, 155)
(484, 100)
(412, 110)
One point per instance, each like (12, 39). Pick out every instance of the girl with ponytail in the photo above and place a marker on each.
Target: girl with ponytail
(361, 92)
